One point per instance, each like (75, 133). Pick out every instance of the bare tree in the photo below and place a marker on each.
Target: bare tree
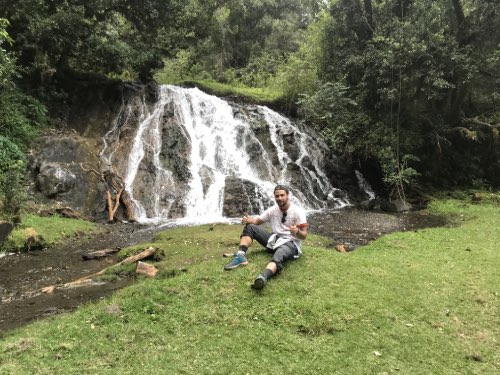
(116, 194)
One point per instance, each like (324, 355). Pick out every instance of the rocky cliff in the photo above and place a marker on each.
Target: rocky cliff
(183, 153)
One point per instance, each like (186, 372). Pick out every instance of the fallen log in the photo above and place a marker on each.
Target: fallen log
(150, 251)
(98, 254)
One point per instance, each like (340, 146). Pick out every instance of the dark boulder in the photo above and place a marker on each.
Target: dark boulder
(54, 179)
(396, 205)
(5, 229)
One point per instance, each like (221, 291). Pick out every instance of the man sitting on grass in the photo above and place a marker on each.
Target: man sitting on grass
(289, 226)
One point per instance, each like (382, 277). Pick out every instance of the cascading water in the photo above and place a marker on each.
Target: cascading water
(364, 185)
(176, 156)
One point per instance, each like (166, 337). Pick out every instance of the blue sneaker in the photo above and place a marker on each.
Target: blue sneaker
(260, 282)
(238, 260)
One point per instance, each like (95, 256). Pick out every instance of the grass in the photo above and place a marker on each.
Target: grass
(254, 95)
(423, 302)
(52, 228)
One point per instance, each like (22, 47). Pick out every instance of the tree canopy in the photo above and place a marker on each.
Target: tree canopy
(397, 78)
(402, 82)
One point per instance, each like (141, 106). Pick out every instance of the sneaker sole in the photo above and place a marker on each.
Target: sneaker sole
(233, 267)
(259, 284)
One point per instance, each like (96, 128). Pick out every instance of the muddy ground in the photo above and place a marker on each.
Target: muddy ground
(354, 227)
(22, 276)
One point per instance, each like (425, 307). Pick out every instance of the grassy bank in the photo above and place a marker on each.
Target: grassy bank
(250, 94)
(255, 95)
(52, 229)
(423, 302)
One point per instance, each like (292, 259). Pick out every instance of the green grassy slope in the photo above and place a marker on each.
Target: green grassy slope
(423, 302)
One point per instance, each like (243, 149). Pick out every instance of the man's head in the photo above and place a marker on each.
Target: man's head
(281, 196)
(282, 187)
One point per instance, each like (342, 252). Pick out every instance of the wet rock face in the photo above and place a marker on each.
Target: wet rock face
(176, 147)
(243, 196)
(290, 144)
(54, 167)
(171, 153)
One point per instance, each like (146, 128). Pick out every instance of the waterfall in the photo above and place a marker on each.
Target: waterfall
(364, 185)
(177, 154)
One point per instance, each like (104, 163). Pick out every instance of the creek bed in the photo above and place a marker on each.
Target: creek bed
(24, 275)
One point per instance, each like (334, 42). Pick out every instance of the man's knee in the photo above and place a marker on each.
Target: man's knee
(282, 254)
(279, 257)
(279, 264)
(249, 231)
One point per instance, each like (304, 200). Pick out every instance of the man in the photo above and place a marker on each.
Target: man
(289, 226)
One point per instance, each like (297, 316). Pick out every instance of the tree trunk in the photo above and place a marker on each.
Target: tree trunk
(357, 20)
(461, 22)
(115, 194)
(458, 94)
(129, 207)
(369, 13)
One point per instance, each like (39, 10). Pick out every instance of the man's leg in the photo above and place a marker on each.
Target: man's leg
(254, 232)
(280, 256)
(250, 232)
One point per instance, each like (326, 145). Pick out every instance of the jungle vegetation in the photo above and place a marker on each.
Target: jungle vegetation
(410, 86)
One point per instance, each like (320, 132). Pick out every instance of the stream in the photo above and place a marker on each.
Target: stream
(24, 275)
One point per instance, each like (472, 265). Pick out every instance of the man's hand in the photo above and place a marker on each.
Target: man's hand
(299, 232)
(251, 220)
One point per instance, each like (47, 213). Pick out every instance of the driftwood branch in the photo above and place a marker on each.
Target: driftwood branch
(150, 251)
(476, 123)
(115, 193)
(90, 170)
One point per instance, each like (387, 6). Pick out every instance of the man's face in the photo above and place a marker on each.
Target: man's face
(281, 198)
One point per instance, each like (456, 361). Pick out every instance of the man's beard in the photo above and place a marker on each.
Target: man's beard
(282, 203)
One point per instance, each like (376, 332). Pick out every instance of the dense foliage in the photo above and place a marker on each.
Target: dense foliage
(21, 117)
(400, 82)
(398, 78)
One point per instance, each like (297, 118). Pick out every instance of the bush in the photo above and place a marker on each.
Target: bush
(12, 165)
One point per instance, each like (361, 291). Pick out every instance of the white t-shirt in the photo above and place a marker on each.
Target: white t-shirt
(294, 215)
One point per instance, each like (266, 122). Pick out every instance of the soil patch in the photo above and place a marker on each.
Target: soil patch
(355, 227)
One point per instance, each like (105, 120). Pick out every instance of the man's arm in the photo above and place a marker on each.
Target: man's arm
(300, 231)
(251, 220)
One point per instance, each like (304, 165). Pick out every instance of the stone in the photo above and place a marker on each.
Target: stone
(370, 204)
(341, 248)
(146, 269)
(396, 205)
(54, 179)
(5, 229)
(98, 254)
(34, 241)
(242, 196)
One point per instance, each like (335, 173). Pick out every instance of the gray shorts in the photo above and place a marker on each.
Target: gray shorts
(281, 254)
